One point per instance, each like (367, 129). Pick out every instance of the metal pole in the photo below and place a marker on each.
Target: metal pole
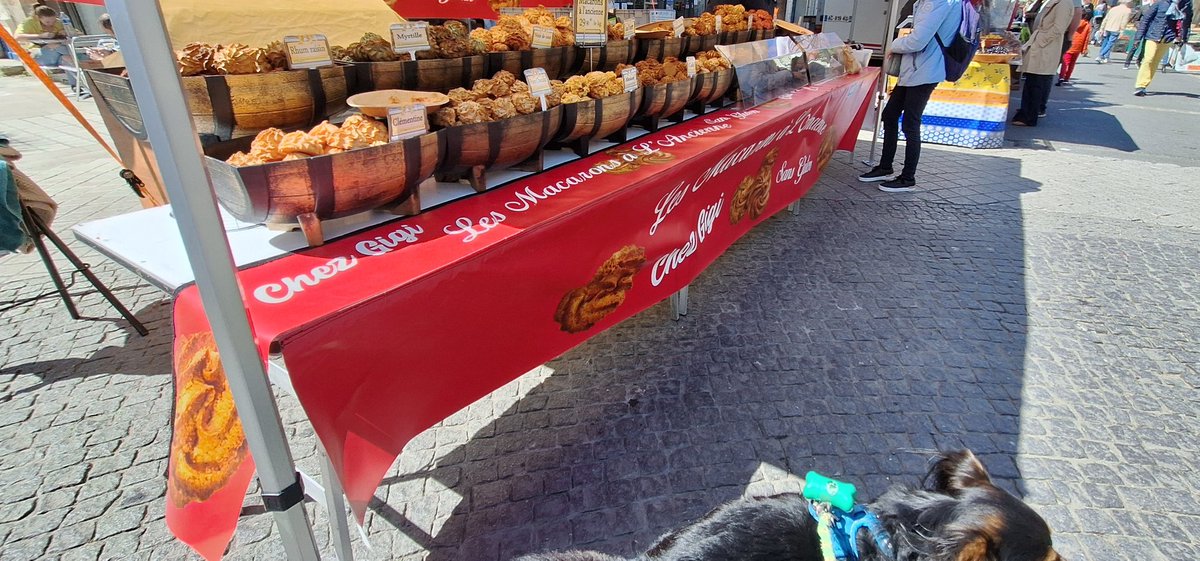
(894, 7)
(159, 91)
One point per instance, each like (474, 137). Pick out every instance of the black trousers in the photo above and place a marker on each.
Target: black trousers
(1034, 96)
(910, 102)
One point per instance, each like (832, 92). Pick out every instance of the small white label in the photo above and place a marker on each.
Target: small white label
(591, 23)
(678, 26)
(307, 51)
(406, 122)
(720, 24)
(539, 84)
(691, 66)
(630, 28)
(410, 37)
(543, 37)
(750, 22)
(630, 75)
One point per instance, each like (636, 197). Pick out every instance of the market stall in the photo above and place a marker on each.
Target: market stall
(492, 230)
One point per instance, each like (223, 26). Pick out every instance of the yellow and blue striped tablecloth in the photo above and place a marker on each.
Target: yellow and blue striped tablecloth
(971, 112)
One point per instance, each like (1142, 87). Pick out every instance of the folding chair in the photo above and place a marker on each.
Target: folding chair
(80, 61)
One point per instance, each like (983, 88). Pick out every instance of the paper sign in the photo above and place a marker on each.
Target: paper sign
(591, 22)
(307, 51)
(630, 28)
(678, 26)
(720, 24)
(750, 22)
(539, 84)
(691, 66)
(631, 78)
(410, 37)
(406, 122)
(543, 37)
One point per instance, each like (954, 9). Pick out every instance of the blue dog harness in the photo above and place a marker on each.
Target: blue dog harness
(844, 527)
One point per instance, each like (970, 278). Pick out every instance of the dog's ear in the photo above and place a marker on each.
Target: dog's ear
(954, 471)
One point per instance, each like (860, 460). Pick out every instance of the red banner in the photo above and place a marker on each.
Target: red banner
(388, 331)
(461, 9)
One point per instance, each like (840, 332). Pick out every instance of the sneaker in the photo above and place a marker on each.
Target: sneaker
(1126, 67)
(899, 185)
(877, 173)
(1060, 82)
(1140, 92)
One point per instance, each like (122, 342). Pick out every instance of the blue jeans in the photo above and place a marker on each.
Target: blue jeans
(54, 56)
(1110, 39)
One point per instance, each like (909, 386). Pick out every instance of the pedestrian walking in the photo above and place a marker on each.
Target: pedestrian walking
(1079, 46)
(1041, 57)
(922, 67)
(1098, 16)
(1165, 23)
(1111, 27)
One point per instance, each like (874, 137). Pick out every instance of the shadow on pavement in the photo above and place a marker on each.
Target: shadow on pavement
(1188, 95)
(851, 339)
(132, 357)
(1074, 115)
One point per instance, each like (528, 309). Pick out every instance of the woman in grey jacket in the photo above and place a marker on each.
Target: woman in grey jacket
(922, 67)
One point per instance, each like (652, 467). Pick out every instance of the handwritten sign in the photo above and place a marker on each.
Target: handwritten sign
(591, 22)
(307, 51)
(410, 37)
(543, 37)
(677, 27)
(539, 84)
(630, 28)
(406, 122)
(750, 22)
(691, 66)
(630, 75)
(720, 24)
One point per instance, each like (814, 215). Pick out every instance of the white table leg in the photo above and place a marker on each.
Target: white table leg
(679, 303)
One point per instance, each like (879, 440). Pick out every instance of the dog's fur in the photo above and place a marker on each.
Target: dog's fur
(958, 515)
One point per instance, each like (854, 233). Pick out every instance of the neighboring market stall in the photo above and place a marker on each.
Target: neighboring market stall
(516, 183)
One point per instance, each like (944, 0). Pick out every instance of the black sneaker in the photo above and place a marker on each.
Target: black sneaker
(899, 185)
(1140, 92)
(877, 173)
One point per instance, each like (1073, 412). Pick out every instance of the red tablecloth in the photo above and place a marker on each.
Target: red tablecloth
(388, 331)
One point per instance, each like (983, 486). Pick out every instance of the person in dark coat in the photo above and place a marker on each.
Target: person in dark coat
(1163, 24)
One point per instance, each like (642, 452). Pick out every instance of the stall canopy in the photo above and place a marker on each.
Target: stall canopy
(259, 23)
(458, 9)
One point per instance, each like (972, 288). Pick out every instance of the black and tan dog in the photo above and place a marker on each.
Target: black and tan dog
(958, 515)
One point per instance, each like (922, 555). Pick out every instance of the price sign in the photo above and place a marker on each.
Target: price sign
(543, 37)
(591, 22)
(691, 66)
(750, 22)
(678, 26)
(307, 51)
(720, 24)
(410, 37)
(406, 122)
(630, 28)
(630, 75)
(539, 84)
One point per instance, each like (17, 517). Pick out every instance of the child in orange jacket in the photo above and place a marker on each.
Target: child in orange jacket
(1079, 45)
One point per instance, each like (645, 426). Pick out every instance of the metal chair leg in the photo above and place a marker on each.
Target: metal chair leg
(38, 229)
(54, 274)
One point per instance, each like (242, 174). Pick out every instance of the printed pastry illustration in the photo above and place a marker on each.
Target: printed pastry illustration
(753, 192)
(825, 154)
(208, 444)
(583, 307)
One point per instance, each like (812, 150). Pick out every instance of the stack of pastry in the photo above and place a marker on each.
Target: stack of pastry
(711, 61)
(492, 99)
(515, 33)
(652, 72)
(706, 24)
(593, 85)
(273, 145)
(202, 58)
(763, 20)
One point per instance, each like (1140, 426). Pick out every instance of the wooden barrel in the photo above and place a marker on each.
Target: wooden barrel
(557, 61)
(497, 144)
(433, 75)
(330, 186)
(112, 90)
(702, 43)
(233, 106)
(598, 118)
(664, 100)
(710, 86)
(659, 49)
(762, 34)
(608, 56)
(733, 37)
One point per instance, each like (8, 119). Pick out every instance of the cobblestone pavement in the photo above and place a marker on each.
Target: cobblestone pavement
(1045, 321)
